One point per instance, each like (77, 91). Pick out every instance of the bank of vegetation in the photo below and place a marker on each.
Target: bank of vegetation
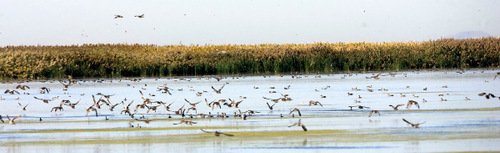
(123, 60)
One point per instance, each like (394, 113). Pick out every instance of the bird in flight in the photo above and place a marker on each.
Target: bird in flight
(413, 125)
(118, 16)
(299, 124)
(396, 107)
(139, 16)
(217, 133)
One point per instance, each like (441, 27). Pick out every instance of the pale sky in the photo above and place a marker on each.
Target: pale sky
(69, 22)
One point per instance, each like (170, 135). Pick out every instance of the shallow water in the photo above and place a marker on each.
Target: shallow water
(453, 125)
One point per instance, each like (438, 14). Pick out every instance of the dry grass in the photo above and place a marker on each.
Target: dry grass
(117, 60)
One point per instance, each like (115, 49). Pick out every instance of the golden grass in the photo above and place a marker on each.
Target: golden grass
(117, 60)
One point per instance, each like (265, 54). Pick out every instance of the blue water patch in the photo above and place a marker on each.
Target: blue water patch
(320, 147)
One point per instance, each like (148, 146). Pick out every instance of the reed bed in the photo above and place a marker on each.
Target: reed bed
(122, 60)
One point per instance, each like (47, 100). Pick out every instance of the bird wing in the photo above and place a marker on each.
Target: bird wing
(303, 127)
(214, 88)
(320, 104)
(418, 106)
(269, 105)
(371, 113)
(407, 121)
(16, 117)
(206, 131)
(408, 106)
(226, 134)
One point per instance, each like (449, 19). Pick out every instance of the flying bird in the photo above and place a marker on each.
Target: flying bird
(219, 90)
(139, 16)
(118, 16)
(295, 109)
(410, 103)
(396, 107)
(299, 124)
(373, 112)
(217, 133)
(413, 125)
(11, 121)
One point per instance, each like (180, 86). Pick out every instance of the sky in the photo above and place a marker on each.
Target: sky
(216, 22)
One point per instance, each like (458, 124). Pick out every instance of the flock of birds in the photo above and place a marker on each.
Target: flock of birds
(189, 110)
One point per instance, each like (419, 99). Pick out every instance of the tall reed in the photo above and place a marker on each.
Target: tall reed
(116, 60)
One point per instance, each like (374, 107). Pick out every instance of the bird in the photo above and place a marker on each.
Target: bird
(118, 16)
(91, 108)
(185, 122)
(217, 133)
(498, 73)
(43, 90)
(11, 92)
(410, 103)
(139, 16)
(11, 121)
(22, 87)
(60, 108)
(295, 109)
(270, 106)
(487, 96)
(374, 76)
(167, 107)
(315, 103)
(105, 96)
(413, 125)
(65, 85)
(24, 108)
(192, 104)
(273, 100)
(111, 108)
(299, 124)
(359, 107)
(235, 104)
(373, 112)
(44, 100)
(219, 90)
(396, 107)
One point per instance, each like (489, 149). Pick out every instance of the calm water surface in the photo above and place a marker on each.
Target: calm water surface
(452, 122)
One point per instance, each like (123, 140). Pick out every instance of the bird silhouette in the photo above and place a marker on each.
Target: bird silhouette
(412, 124)
(217, 133)
(299, 124)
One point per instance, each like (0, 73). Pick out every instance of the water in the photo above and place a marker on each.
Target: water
(453, 125)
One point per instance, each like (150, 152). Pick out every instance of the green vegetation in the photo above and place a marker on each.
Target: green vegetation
(107, 60)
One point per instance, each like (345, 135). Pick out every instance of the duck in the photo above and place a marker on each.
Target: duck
(297, 110)
(12, 121)
(217, 133)
(410, 103)
(373, 112)
(299, 123)
(118, 16)
(218, 91)
(139, 16)
(412, 124)
(396, 107)
(315, 103)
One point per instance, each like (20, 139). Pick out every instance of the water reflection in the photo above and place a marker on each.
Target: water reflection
(332, 127)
